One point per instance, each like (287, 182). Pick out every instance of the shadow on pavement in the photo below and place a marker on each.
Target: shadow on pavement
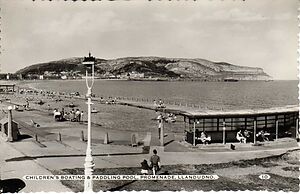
(120, 187)
(169, 142)
(11, 185)
(23, 136)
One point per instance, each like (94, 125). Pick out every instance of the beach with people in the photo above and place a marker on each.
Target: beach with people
(53, 129)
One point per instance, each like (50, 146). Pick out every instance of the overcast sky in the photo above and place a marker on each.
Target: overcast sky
(257, 33)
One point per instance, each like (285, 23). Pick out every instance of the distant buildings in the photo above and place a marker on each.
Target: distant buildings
(109, 75)
(66, 75)
(135, 74)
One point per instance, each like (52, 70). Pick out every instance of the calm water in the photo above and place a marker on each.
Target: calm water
(229, 95)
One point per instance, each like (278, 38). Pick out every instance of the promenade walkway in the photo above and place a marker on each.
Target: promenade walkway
(170, 108)
(192, 109)
(9, 170)
(27, 157)
(30, 157)
(41, 164)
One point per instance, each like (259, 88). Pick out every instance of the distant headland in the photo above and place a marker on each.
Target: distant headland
(144, 68)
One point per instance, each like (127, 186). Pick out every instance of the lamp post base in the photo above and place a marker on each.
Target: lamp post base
(88, 172)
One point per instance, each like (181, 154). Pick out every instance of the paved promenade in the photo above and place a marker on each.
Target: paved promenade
(29, 156)
(55, 157)
(9, 170)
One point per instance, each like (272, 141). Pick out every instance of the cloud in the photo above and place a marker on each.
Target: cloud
(80, 23)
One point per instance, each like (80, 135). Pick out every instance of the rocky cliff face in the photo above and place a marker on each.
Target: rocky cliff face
(156, 67)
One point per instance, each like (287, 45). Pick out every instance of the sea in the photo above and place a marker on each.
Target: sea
(211, 95)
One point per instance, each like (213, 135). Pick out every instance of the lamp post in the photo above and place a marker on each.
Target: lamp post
(89, 62)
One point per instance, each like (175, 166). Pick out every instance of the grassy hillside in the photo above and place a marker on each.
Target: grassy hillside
(154, 67)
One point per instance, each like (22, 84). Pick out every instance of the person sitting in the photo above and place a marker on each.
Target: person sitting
(72, 115)
(57, 115)
(66, 116)
(205, 139)
(77, 115)
(240, 137)
(41, 102)
(161, 104)
(71, 105)
(262, 135)
(145, 167)
(247, 133)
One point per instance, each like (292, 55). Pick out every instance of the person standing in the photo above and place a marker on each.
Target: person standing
(27, 103)
(160, 124)
(81, 116)
(155, 162)
(154, 102)
(72, 113)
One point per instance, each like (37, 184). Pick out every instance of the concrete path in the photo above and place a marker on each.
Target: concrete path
(39, 165)
(16, 169)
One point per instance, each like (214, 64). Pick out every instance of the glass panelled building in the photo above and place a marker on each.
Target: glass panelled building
(276, 122)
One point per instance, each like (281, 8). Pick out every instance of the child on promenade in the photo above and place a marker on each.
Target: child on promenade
(155, 162)
(145, 167)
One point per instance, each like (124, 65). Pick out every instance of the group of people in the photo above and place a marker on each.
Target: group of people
(159, 103)
(73, 115)
(154, 164)
(171, 118)
(49, 94)
(243, 136)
